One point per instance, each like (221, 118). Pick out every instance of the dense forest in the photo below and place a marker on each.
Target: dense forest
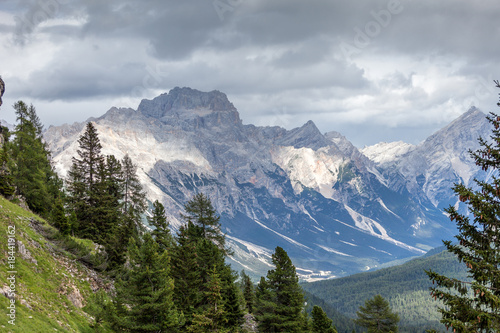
(406, 287)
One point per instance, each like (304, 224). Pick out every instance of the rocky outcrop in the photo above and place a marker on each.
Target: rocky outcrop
(2, 89)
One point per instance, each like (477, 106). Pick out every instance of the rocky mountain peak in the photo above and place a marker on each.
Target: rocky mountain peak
(460, 133)
(308, 135)
(184, 99)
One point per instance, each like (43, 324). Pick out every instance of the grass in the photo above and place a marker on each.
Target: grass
(43, 286)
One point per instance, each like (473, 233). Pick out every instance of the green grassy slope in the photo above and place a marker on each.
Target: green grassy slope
(46, 277)
(406, 287)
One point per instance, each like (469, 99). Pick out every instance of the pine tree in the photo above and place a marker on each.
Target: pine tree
(6, 179)
(211, 318)
(232, 299)
(82, 184)
(248, 291)
(199, 248)
(320, 322)
(186, 272)
(201, 213)
(109, 195)
(377, 316)
(134, 198)
(265, 306)
(147, 291)
(281, 303)
(475, 306)
(29, 163)
(59, 218)
(161, 232)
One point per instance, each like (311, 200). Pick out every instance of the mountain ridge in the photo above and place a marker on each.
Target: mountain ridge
(332, 208)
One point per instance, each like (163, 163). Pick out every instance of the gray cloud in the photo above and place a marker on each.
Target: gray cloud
(280, 61)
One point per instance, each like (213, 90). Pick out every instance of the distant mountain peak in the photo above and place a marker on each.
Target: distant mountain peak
(472, 112)
(308, 135)
(183, 99)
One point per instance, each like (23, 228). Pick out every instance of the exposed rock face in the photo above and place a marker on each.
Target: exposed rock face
(75, 297)
(431, 168)
(180, 100)
(2, 89)
(333, 209)
(25, 253)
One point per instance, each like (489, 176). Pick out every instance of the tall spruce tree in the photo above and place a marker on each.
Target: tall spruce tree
(281, 301)
(377, 316)
(145, 294)
(475, 306)
(30, 165)
(134, 198)
(199, 248)
(161, 232)
(84, 194)
(109, 190)
(6, 179)
(186, 272)
(211, 317)
(200, 212)
(248, 291)
(265, 306)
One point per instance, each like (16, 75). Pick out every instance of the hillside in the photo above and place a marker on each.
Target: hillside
(406, 287)
(51, 285)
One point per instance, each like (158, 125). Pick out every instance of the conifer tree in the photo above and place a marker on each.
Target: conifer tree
(134, 198)
(147, 291)
(161, 232)
(248, 291)
(475, 306)
(280, 297)
(30, 165)
(265, 306)
(377, 316)
(211, 318)
(106, 199)
(199, 248)
(208, 255)
(6, 180)
(59, 218)
(109, 190)
(320, 322)
(201, 213)
(90, 157)
(186, 272)
(82, 183)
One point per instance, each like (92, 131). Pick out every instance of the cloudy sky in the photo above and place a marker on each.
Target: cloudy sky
(374, 70)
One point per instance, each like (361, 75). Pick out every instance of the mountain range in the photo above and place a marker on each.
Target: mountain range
(334, 208)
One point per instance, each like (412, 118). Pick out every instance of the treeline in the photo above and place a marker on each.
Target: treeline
(163, 282)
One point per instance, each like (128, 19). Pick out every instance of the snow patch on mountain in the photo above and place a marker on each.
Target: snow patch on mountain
(288, 239)
(369, 225)
(329, 249)
(366, 224)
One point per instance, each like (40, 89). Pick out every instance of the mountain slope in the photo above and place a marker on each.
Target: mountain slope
(431, 168)
(335, 211)
(406, 287)
(50, 286)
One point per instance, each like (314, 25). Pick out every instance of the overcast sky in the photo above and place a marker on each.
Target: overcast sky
(374, 70)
